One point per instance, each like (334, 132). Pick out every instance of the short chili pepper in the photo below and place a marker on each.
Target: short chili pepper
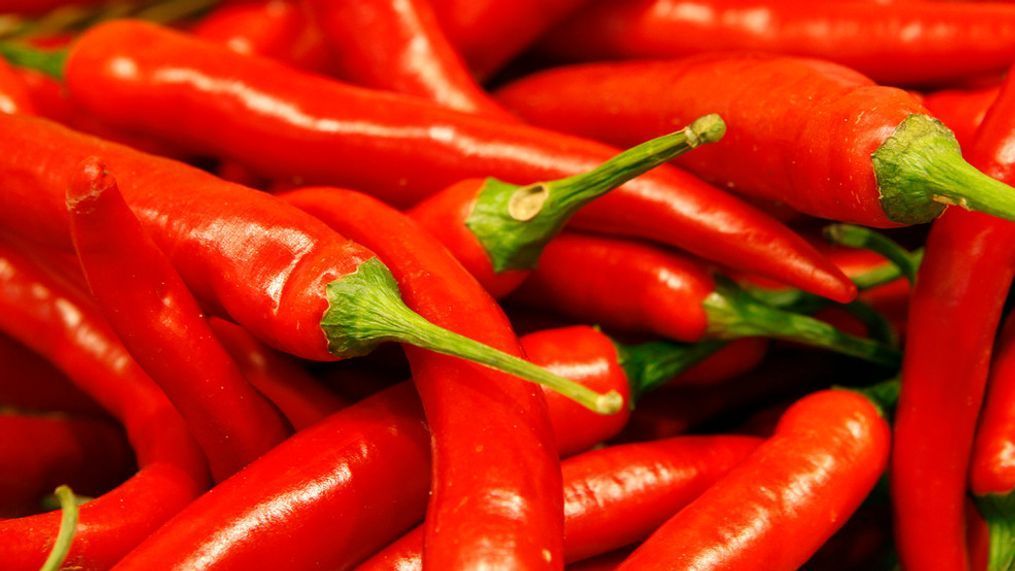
(302, 272)
(398, 45)
(32, 383)
(953, 317)
(962, 110)
(858, 152)
(163, 328)
(615, 496)
(636, 287)
(14, 97)
(62, 325)
(895, 43)
(802, 483)
(282, 123)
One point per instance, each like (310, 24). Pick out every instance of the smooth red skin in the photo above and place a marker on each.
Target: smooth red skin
(283, 123)
(148, 306)
(777, 507)
(40, 452)
(992, 470)
(478, 417)
(30, 382)
(732, 360)
(798, 131)
(615, 496)
(63, 326)
(904, 43)
(956, 305)
(489, 33)
(962, 110)
(276, 29)
(978, 538)
(241, 252)
(621, 284)
(863, 543)
(14, 97)
(301, 398)
(398, 45)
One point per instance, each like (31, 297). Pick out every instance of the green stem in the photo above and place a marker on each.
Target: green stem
(365, 309)
(68, 525)
(732, 313)
(865, 238)
(884, 395)
(920, 170)
(651, 365)
(999, 511)
(514, 223)
(50, 62)
(877, 326)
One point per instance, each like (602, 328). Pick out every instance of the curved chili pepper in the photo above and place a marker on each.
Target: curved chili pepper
(398, 45)
(898, 43)
(162, 327)
(60, 324)
(14, 96)
(962, 110)
(826, 455)
(858, 152)
(283, 123)
(636, 287)
(615, 496)
(953, 317)
(302, 273)
(32, 383)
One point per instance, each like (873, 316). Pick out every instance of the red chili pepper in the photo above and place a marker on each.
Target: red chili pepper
(899, 43)
(14, 96)
(151, 310)
(60, 324)
(962, 110)
(859, 152)
(38, 6)
(283, 123)
(615, 496)
(956, 305)
(32, 383)
(776, 508)
(398, 45)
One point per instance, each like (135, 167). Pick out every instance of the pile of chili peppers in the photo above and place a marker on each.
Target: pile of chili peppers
(490, 284)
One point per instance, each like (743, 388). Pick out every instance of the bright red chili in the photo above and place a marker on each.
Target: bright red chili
(283, 123)
(896, 43)
(14, 97)
(777, 507)
(615, 496)
(30, 382)
(812, 134)
(962, 110)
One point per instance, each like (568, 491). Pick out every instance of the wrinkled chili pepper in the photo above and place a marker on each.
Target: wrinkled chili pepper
(962, 110)
(615, 496)
(283, 123)
(825, 457)
(859, 153)
(60, 324)
(898, 43)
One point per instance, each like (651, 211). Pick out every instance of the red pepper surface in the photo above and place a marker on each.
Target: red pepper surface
(14, 97)
(615, 496)
(962, 110)
(811, 134)
(955, 308)
(40, 452)
(803, 483)
(398, 45)
(30, 382)
(59, 323)
(38, 6)
(898, 43)
(151, 310)
(489, 33)
(284, 123)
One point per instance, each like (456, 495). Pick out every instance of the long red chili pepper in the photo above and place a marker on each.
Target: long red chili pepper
(858, 152)
(302, 272)
(636, 287)
(899, 43)
(398, 45)
(60, 324)
(285, 123)
(30, 382)
(956, 305)
(962, 110)
(615, 496)
(14, 97)
(803, 483)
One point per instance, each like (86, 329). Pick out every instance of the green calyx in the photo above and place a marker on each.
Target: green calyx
(49, 62)
(999, 511)
(68, 525)
(514, 223)
(365, 309)
(884, 396)
(920, 170)
(651, 365)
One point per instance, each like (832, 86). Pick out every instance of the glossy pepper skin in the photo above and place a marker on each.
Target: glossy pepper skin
(953, 317)
(14, 96)
(163, 328)
(285, 123)
(833, 143)
(615, 496)
(59, 323)
(897, 43)
(398, 45)
(962, 110)
(802, 483)
(473, 413)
